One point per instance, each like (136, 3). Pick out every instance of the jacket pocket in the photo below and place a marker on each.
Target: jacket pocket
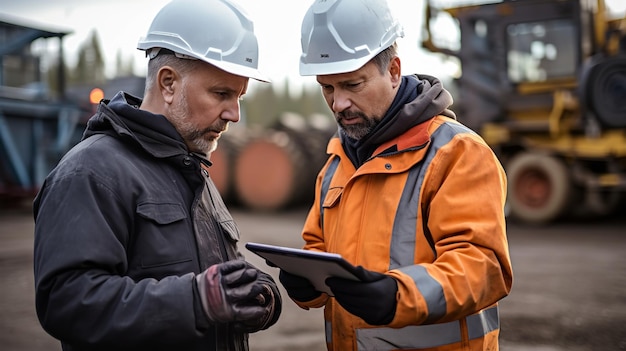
(161, 213)
(163, 238)
(230, 230)
(332, 197)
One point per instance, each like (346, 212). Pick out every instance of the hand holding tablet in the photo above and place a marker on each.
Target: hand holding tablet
(315, 266)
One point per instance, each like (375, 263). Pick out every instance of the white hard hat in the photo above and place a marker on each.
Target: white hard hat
(340, 36)
(215, 31)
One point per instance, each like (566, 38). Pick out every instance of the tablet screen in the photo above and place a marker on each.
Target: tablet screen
(313, 265)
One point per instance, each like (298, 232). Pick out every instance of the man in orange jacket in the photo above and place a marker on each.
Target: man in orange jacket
(409, 195)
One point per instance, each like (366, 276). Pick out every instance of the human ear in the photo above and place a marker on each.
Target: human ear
(166, 79)
(395, 71)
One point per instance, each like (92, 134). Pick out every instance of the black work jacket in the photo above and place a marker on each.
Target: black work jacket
(123, 225)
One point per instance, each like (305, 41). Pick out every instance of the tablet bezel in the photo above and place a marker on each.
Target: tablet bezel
(313, 265)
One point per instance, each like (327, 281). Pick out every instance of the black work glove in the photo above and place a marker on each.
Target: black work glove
(235, 291)
(298, 288)
(373, 298)
(270, 296)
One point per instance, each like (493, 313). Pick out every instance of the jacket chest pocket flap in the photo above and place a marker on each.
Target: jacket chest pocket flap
(164, 238)
(161, 213)
(332, 197)
(230, 229)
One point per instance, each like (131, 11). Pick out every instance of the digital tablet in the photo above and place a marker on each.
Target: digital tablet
(315, 266)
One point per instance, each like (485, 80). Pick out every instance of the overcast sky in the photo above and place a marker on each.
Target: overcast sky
(120, 23)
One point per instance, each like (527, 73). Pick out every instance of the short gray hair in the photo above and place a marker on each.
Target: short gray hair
(384, 57)
(182, 66)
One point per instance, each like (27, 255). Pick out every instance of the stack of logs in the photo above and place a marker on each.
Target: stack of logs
(272, 168)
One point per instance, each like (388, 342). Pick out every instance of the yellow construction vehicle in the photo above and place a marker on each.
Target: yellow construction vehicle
(544, 82)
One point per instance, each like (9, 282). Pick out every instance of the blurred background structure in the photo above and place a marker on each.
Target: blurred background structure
(541, 80)
(544, 82)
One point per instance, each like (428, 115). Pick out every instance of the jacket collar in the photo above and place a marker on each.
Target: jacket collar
(419, 99)
(121, 117)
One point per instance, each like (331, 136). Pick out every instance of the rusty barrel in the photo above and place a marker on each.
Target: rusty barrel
(223, 163)
(277, 167)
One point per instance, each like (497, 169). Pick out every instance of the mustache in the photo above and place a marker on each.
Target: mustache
(218, 128)
(199, 133)
(349, 115)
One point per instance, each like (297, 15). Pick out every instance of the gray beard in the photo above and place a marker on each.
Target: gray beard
(360, 130)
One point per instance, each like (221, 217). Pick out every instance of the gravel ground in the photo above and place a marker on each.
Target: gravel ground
(569, 289)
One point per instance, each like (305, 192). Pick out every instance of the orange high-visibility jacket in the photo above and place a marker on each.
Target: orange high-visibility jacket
(431, 215)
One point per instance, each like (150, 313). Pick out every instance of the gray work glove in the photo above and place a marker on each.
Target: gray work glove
(237, 292)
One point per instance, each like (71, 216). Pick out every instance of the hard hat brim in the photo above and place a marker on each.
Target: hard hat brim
(320, 69)
(238, 70)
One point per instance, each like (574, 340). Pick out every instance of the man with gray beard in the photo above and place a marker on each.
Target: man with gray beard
(134, 247)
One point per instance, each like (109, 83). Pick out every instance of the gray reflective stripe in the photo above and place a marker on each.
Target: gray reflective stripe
(402, 248)
(403, 234)
(328, 176)
(328, 330)
(425, 336)
(430, 289)
(484, 322)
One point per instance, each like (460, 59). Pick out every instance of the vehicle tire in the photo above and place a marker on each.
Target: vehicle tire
(539, 188)
(605, 89)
